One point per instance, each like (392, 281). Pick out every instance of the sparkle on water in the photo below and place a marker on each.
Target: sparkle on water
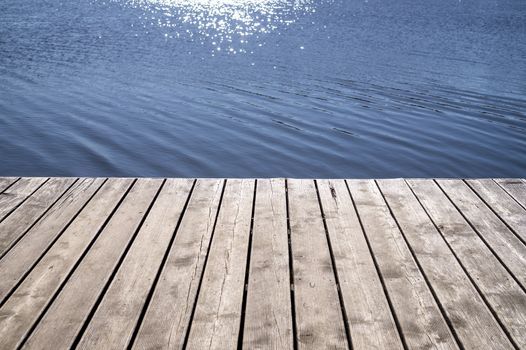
(225, 25)
(263, 88)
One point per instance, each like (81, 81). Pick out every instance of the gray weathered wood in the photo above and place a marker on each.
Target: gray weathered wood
(268, 315)
(516, 188)
(504, 295)
(69, 311)
(318, 311)
(18, 193)
(167, 319)
(16, 224)
(504, 243)
(505, 206)
(18, 261)
(5, 182)
(113, 323)
(421, 321)
(470, 317)
(216, 321)
(27, 302)
(405, 264)
(367, 308)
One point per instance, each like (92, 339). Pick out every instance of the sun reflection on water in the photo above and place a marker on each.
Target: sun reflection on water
(231, 26)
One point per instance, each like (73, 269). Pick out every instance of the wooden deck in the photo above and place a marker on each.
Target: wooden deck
(272, 263)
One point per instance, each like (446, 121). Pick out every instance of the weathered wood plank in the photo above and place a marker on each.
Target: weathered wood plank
(167, 318)
(18, 261)
(420, 318)
(268, 315)
(516, 188)
(16, 224)
(216, 322)
(505, 206)
(510, 250)
(18, 193)
(85, 267)
(319, 317)
(24, 306)
(469, 315)
(69, 311)
(368, 309)
(5, 182)
(113, 323)
(501, 291)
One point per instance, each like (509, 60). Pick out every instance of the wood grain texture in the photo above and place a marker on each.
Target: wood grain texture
(421, 321)
(470, 317)
(20, 220)
(19, 260)
(515, 188)
(510, 250)
(318, 311)
(18, 193)
(269, 264)
(5, 182)
(503, 293)
(168, 316)
(68, 312)
(24, 306)
(115, 319)
(511, 212)
(367, 308)
(268, 314)
(216, 321)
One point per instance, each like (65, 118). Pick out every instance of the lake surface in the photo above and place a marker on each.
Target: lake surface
(263, 88)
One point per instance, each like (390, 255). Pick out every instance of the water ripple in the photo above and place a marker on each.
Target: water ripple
(227, 25)
(317, 88)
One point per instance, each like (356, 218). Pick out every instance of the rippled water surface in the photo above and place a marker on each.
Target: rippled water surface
(247, 88)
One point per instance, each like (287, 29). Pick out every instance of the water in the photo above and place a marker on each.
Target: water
(263, 88)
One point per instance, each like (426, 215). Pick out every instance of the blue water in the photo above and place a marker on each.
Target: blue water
(263, 88)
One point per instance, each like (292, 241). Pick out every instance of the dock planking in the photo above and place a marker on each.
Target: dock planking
(268, 312)
(5, 182)
(14, 226)
(318, 310)
(14, 195)
(418, 312)
(458, 298)
(96, 263)
(33, 244)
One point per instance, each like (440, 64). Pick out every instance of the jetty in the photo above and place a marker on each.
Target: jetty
(151, 263)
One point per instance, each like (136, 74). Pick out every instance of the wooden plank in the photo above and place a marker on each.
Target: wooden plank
(114, 321)
(368, 312)
(464, 307)
(216, 322)
(515, 188)
(319, 317)
(268, 314)
(18, 193)
(69, 311)
(505, 206)
(510, 250)
(5, 182)
(504, 295)
(167, 318)
(79, 270)
(24, 306)
(18, 261)
(16, 224)
(418, 314)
